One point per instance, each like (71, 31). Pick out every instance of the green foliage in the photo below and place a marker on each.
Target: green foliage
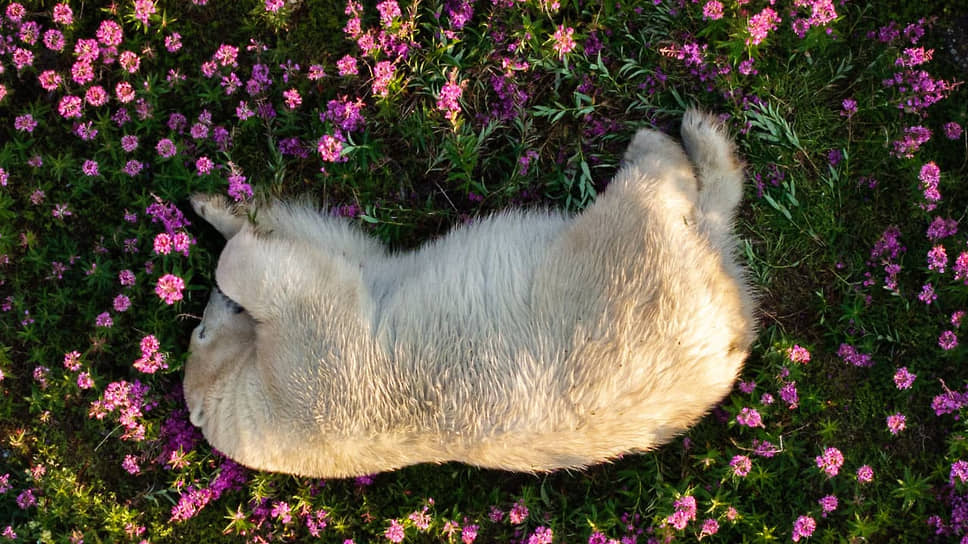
(533, 126)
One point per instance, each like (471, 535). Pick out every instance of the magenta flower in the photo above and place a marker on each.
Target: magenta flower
(26, 499)
(761, 24)
(382, 75)
(70, 107)
(749, 417)
(541, 535)
(449, 99)
(143, 10)
(741, 465)
(959, 471)
(273, 6)
(468, 534)
(63, 15)
(129, 143)
(130, 61)
(49, 80)
(948, 340)
(865, 474)
(104, 320)
(850, 108)
(90, 168)
(133, 167)
(828, 504)
(25, 123)
(169, 288)
(203, 166)
(803, 527)
(830, 462)
(330, 149)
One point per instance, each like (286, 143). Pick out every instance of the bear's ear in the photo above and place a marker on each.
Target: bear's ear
(219, 212)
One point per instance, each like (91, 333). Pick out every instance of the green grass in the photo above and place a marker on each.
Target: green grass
(410, 174)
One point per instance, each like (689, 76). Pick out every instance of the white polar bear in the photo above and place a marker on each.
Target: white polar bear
(527, 341)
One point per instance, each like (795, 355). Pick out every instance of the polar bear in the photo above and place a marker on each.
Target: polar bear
(527, 341)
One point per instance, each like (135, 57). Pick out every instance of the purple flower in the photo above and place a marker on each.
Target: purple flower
(26, 499)
(104, 320)
(850, 355)
(749, 417)
(849, 108)
(952, 130)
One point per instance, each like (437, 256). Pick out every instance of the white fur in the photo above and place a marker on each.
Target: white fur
(527, 341)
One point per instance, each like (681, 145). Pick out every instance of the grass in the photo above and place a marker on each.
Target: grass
(539, 122)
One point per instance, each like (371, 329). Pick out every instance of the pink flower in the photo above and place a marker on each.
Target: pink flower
(394, 532)
(84, 381)
(709, 528)
(49, 80)
(563, 41)
(169, 288)
(143, 10)
(293, 100)
(896, 423)
(273, 6)
(15, 12)
(109, 33)
(382, 75)
(96, 96)
(104, 320)
(124, 91)
(162, 244)
(761, 24)
(130, 61)
(121, 303)
(798, 354)
(330, 149)
(803, 527)
(828, 504)
(130, 464)
(541, 535)
(449, 99)
(226, 55)
(72, 361)
(713, 9)
(347, 66)
(63, 15)
(70, 107)
(518, 513)
(173, 42)
(904, 379)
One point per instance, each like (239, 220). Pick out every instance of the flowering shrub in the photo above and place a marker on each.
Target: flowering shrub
(409, 118)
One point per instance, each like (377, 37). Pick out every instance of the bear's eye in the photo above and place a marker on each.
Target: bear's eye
(201, 332)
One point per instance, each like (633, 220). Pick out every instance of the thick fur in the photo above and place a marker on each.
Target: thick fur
(527, 341)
